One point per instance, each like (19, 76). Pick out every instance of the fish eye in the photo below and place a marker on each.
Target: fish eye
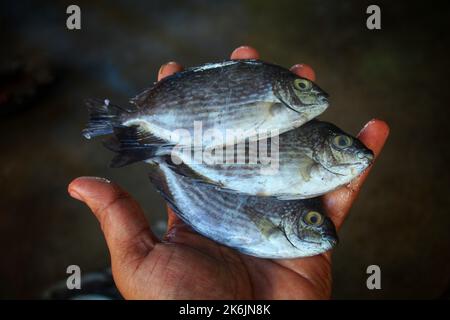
(302, 84)
(313, 218)
(342, 141)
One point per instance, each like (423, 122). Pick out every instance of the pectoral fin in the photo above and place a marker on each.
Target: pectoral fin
(306, 169)
(265, 226)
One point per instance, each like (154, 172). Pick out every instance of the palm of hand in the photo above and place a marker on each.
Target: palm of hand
(189, 266)
(193, 267)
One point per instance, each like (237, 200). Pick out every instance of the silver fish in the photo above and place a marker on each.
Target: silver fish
(250, 96)
(259, 226)
(311, 160)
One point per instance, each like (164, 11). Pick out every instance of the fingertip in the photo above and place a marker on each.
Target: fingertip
(244, 52)
(71, 189)
(381, 126)
(169, 69)
(172, 218)
(304, 71)
(374, 135)
(82, 188)
(74, 194)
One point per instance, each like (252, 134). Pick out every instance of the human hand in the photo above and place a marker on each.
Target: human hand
(186, 265)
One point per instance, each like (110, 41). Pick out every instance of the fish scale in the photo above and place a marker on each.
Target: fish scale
(241, 222)
(169, 92)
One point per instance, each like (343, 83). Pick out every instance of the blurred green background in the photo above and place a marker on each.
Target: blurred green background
(400, 74)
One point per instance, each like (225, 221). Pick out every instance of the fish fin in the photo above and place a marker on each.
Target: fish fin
(103, 117)
(306, 168)
(185, 171)
(265, 226)
(133, 144)
(159, 180)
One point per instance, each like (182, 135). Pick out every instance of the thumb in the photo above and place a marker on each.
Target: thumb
(122, 220)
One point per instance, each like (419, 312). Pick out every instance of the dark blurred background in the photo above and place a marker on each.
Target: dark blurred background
(400, 74)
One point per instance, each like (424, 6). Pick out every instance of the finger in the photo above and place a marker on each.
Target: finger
(304, 71)
(172, 218)
(174, 223)
(169, 69)
(244, 52)
(123, 223)
(338, 203)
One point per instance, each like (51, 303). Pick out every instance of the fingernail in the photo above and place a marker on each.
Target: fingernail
(75, 194)
(98, 179)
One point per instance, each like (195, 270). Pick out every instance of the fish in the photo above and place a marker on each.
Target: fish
(263, 227)
(245, 96)
(305, 162)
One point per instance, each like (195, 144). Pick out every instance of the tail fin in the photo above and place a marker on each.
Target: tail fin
(103, 117)
(132, 144)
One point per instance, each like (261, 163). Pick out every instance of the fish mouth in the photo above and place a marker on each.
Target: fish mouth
(330, 240)
(320, 106)
(327, 242)
(322, 103)
(359, 166)
(323, 99)
(366, 157)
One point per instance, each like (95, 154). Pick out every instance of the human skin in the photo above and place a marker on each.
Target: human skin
(186, 265)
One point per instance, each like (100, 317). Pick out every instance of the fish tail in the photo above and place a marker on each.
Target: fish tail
(133, 144)
(103, 117)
